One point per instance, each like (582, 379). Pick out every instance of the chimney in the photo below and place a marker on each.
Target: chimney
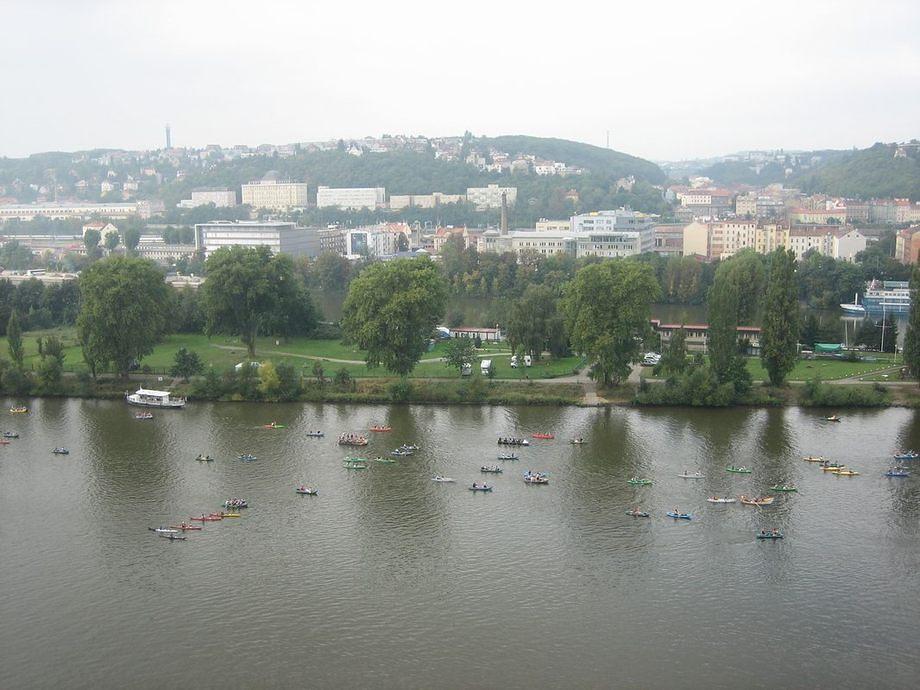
(504, 226)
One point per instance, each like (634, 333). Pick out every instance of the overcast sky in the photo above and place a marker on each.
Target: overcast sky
(669, 80)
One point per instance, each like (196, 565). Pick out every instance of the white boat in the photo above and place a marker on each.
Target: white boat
(690, 475)
(721, 500)
(439, 478)
(144, 397)
(855, 307)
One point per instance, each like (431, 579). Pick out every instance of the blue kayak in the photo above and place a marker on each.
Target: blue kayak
(679, 516)
(897, 473)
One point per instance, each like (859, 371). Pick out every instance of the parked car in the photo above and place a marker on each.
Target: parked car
(651, 359)
(514, 361)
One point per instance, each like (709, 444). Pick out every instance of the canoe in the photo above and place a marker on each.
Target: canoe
(10, 434)
(491, 469)
(544, 436)
(388, 461)
(577, 442)
(721, 500)
(307, 491)
(439, 478)
(507, 456)
(783, 488)
(770, 535)
(738, 470)
(204, 458)
(909, 455)
(897, 473)
(381, 429)
(535, 479)
(695, 475)
(762, 501)
(61, 451)
(185, 527)
(480, 488)
(230, 515)
(354, 466)
(163, 530)
(19, 410)
(845, 473)
(637, 513)
(248, 458)
(813, 458)
(832, 418)
(639, 482)
(173, 537)
(315, 434)
(679, 516)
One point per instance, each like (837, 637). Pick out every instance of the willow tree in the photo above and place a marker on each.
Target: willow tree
(124, 312)
(607, 309)
(391, 310)
(780, 334)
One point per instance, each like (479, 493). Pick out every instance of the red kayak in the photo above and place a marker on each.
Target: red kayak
(544, 436)
(206, 518)
(184, 526)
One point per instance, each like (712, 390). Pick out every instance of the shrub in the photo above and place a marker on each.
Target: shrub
(818, 394)
(400, 390)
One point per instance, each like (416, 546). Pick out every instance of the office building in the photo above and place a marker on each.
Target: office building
(353, 198)
(220, 197)
(280, 237)
(275, 195)
(491, 196)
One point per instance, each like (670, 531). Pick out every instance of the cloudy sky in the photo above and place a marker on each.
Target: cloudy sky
(669, 80)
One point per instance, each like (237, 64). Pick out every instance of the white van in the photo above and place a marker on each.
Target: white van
(528, 360)
(484, 366)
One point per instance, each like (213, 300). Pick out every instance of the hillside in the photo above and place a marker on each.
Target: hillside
(867, 173)
(599, 161)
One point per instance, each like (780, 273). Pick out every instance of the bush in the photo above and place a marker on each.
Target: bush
(327, 331)
(400, 391)
(815, 393)
(343, 380)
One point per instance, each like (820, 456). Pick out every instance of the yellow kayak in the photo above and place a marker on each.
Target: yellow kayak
(229, 515)
(833, 469)
(846, 473)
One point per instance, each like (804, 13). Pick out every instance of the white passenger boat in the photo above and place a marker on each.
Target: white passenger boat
(144, 397)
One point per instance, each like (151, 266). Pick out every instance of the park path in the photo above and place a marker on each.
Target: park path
(237, 348)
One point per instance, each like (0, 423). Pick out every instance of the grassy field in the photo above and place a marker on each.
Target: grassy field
(827, 369)
(223, 352)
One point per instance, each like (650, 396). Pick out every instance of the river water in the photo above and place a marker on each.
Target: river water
(387, 579)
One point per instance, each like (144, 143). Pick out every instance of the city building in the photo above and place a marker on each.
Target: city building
(60, 211)
(669, 239)
(401, 201)
(697, 336)
(639, 228)
(332, 240)
(699, 202)
(275, 195)
(491, 196)
(377, 241)
(104, 230)
(156, 249)
(351, 198)
(907, 245)
(544, 225)
(280, 237)
(220, 197)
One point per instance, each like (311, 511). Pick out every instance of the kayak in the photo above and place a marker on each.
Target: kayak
(637, 513)
(480, 487)
(679, 516)
(577, 442)
(770, 535)
(273, 425)
(636, 481)
(248, 457)
(695, 475)
(206, 518)
(230, 515)
(832, 418)
(907, 455)
(845, 473)
(738, 470)
(777, 487)
(544, 436)
(832, 467)
(61, 451)
(307, 491)
(507, 456)
(439, 478)
(174, 537)
(381, 429)
(720, 500)
(163, 530)
(813, 458)
(387, 461)
(354, 466)
(184, 526)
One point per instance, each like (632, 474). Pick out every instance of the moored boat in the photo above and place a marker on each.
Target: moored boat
(145, 397)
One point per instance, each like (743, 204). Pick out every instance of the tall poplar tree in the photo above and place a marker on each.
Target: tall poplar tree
(14, 339)
(780, 334)
(912, 338)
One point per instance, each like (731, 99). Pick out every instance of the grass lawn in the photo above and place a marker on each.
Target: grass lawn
(223, 352)
(827, 369)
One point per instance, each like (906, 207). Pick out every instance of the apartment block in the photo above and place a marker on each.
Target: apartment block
(275, 195)
(353, 198)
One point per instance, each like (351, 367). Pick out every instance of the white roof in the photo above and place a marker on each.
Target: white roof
(486, 363)
(147, 391)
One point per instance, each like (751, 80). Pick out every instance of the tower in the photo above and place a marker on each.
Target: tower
(168, 139)
(504, 225)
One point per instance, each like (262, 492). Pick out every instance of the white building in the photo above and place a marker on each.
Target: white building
(377, 240)
(491, 196)
(71, 210)
(606, 244)
(280, 237)
(275, 195)
(544, 225)
(620, 228)
(351, 197)
(401, 201)
(104, 230)
(221, 198)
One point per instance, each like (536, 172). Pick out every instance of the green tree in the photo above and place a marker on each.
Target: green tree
(391, 310)
(132, 237)
(780, 334)
(343, 379)
(319, 373)
(607, 309)
(535, 320)
(724, 350)
(912, 337)
(51, 366)
(674, 357)
(249, 292)
(459, 352)
(111, 241)
(269, 382)
(124, 312)
(289, 387)
(14, 339)
(91, 239)
(186, 364)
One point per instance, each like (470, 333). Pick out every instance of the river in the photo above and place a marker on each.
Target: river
(387, 579)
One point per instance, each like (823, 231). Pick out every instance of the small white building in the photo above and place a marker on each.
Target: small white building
(493, 335)
(104, 230)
